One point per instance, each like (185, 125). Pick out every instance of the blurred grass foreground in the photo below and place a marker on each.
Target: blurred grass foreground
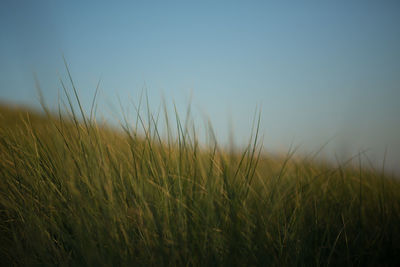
(76, 192)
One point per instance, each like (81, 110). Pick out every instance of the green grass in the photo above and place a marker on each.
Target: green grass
(74, 192)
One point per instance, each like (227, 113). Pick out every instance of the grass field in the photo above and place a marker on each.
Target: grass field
(76, 192)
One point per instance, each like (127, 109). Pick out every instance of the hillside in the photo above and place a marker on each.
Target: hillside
(74, 193)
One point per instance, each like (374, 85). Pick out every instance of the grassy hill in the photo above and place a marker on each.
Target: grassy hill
(76, 193)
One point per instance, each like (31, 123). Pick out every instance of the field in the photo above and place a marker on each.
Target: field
(79, 193)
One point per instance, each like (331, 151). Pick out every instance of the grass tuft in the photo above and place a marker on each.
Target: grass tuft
(74, 192)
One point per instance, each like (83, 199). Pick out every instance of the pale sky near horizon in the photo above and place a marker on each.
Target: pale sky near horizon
(318, 70)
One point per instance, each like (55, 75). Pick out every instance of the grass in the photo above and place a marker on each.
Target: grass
(74, 192)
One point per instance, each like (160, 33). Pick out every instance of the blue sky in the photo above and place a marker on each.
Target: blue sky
(318, 70)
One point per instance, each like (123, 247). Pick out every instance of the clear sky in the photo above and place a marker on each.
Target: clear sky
(318, 70)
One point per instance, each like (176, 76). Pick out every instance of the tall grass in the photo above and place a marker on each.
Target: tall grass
(74, 192)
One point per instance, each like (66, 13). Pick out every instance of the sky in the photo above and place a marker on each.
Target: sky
(319, 71)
